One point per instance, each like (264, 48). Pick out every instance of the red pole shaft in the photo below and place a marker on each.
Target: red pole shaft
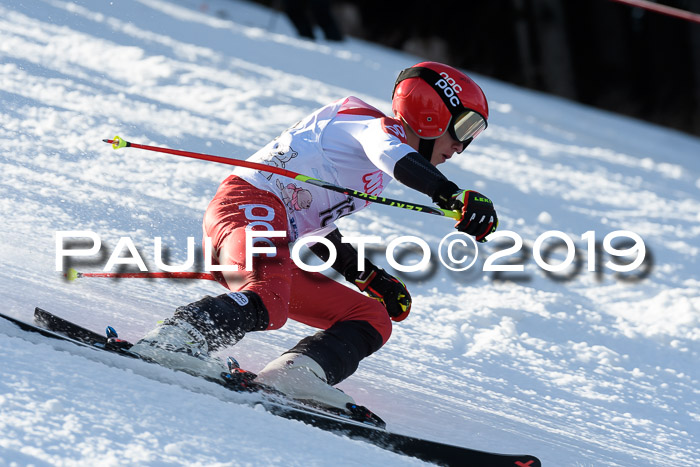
(663, 9)
(150, 275)
(219, 159)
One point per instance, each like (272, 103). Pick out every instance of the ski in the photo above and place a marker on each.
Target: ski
(357, 423)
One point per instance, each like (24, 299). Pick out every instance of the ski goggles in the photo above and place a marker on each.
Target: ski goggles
(467, 126)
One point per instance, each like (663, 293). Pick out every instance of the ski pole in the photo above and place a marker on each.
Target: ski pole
(118, 143)
(72, 275)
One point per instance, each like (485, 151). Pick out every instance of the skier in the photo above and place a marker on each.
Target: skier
(438, 111)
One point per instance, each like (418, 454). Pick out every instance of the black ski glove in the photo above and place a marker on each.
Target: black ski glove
(389, 290)
(479, 217)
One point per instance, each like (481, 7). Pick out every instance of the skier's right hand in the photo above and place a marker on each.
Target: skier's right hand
(389, 290)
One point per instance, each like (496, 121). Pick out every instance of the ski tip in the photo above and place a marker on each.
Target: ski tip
(232, 363)
(72, 274)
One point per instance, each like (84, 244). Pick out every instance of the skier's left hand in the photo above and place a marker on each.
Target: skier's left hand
(479, 217)
(389, 290)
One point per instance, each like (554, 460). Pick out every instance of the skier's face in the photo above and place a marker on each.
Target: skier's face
(444, 148)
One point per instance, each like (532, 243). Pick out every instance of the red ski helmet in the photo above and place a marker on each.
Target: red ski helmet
(433, 98)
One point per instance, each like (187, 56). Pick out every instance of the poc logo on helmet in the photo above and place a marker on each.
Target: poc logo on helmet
(449, 88)
(451, 82)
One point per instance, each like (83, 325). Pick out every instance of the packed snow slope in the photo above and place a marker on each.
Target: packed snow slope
(598, 369)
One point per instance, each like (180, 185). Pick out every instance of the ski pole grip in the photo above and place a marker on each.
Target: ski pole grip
(456, 215)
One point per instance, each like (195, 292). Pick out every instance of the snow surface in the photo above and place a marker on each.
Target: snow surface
(597, 370)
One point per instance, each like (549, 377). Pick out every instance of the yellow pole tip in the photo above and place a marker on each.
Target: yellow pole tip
(118, 142)
(72, 274)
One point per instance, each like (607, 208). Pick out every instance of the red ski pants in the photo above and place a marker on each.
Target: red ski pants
(286, 290)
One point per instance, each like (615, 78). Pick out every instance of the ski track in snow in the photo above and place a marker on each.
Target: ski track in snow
(593, 371)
